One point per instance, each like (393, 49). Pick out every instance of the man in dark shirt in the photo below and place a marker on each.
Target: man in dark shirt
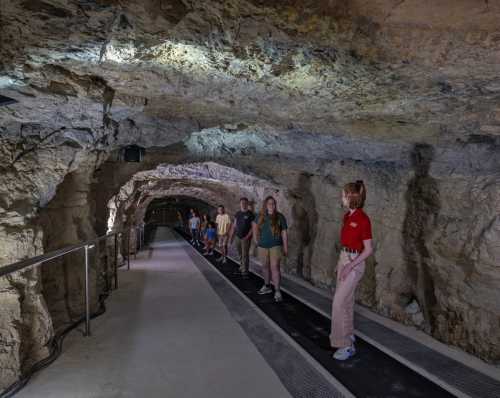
(242, 230)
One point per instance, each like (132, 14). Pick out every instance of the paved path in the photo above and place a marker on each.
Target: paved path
(166, 334)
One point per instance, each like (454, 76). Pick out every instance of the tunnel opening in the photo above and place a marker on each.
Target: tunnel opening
(166, 211)
(174, 212)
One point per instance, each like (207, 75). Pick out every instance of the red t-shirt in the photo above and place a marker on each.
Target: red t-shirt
(357, 228)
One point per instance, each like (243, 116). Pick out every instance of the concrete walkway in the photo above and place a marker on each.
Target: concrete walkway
(165, 334)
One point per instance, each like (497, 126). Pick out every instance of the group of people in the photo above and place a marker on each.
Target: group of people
(268, 229)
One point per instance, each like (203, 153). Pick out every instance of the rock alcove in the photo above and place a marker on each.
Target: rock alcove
(293, 98)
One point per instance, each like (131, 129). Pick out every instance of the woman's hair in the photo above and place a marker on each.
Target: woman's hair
(275, 221)
(356, 194)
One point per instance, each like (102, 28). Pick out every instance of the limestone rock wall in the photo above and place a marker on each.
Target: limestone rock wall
(33, 162)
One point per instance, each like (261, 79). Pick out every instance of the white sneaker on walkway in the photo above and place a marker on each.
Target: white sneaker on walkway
(278, 297)
(345, 353)
(265, 290)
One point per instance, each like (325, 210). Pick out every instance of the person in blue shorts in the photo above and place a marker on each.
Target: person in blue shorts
(211, 234)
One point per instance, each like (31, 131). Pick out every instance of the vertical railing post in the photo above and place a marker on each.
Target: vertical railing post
(141, 237)
(116, 261)
(128, 249)
(135, 243)
(87, 292)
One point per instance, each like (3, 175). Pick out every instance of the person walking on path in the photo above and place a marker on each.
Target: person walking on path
(356, 241)
(271, 237)
(194, 227)
(223, 222)
(211, 235)
(241, 229)
(203, 228)
(180, 220)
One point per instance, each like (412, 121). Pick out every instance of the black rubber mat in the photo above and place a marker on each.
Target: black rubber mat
(371, 373)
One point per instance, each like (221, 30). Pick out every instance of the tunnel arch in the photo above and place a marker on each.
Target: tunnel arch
(209, 181)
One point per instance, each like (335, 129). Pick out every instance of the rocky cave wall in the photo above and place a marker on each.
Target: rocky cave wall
(302, 96)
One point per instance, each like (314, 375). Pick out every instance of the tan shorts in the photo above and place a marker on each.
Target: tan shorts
(273, 254)
(222, 240)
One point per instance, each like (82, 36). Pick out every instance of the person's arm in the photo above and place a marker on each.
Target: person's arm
(232, 228)
(255, 230)
(284, 237)
(367, 252)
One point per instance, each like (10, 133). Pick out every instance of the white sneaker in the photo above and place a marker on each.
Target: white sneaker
(278, 297)
(265, 290)
(224, 260)
(345, 353)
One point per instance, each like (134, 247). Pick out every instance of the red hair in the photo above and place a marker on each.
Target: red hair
(355, 193)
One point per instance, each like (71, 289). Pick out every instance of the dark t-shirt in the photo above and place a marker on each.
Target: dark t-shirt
(243, 223)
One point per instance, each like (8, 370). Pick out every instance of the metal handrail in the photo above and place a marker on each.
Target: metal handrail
(38, 260)
(42, 258)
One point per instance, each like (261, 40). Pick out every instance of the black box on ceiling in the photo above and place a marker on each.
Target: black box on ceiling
(133, 153)
(6, 100)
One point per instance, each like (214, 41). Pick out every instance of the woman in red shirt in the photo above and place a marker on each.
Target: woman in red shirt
(356, 241)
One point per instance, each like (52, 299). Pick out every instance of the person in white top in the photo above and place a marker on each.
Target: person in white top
(223, 222)
(194, 226)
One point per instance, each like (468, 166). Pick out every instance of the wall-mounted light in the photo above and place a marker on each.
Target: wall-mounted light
(4, 101)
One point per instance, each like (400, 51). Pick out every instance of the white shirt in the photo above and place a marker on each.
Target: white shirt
(194, 222)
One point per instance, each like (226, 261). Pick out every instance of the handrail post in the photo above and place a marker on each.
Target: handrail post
(87, 293)
(116, 261)
(128, 250)
(135, 243)
(140, 238)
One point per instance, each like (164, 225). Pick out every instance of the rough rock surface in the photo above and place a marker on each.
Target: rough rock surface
(294, 96)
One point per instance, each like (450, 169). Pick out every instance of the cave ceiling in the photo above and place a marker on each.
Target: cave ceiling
(405, 70)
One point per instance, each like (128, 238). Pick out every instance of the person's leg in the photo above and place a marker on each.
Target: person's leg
(205, 244)
(239, 243)
(264, 258)
(219, 245)
(343, 305)
(245, 256)
(224, 247)
(275, 260)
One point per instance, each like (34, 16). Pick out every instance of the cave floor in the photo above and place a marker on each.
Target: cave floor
(166, 333)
